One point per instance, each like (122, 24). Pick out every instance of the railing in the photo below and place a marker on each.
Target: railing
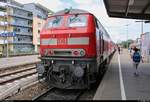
(20, 42)
(15, 24)
(21, 16)
(3, 23)
(3, 13)
(22, 33)
(4, 31)
(2, 4)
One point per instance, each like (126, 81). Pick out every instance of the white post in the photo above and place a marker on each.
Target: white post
(7, 48)
(142, 27)
(6, 28)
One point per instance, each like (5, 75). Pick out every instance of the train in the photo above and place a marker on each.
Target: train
(74, 48)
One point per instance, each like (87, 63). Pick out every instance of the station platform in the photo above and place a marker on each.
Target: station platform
(16, 61)
(120, 83)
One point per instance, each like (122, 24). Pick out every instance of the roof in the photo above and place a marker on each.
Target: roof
(16, 3)
(41, 6)
(135, 9)
(72, 11)
(13, 6)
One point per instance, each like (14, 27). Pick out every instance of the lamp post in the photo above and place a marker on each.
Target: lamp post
(5, 29)
(6, 22)
(141, 25)
(127, 34)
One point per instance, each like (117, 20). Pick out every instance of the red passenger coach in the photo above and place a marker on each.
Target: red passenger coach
(73, 46)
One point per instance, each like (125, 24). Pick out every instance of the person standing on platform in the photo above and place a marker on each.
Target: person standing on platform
(136, 58)
(131, 51)
(118, 49)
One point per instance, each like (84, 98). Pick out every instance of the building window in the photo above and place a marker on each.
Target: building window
(29, 30)
(39, 25)
(39, 16)
(29, 14)
(18, 29)
(29, 22)
(19, 39)
(38, 31)
(15, 29)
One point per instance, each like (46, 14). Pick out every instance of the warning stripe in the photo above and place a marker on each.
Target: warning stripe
(70, 41)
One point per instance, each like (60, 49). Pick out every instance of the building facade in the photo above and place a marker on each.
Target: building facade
(145, 46)
(15, 18)
(40, 14)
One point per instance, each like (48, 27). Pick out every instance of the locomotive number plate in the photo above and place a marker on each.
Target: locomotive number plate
(62, 41)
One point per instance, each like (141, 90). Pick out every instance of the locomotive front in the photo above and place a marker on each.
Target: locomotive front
(67, 49)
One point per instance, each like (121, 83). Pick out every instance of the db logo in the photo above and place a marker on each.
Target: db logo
(61, 41)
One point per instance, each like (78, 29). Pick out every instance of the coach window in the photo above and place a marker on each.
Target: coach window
(54, 22)
(96, 22)
(77, 21)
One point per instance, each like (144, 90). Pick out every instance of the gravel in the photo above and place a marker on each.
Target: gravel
(30, 92)
(88, 94)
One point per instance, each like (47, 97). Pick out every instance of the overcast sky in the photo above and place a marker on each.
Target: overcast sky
(116, 27)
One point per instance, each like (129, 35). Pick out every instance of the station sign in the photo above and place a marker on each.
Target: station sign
(8, 34)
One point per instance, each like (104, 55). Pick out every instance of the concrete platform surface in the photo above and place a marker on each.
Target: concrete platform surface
(120, 83)
(19, 60)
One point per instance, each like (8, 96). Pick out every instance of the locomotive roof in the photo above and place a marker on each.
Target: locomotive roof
(72, 11)
(76, 11)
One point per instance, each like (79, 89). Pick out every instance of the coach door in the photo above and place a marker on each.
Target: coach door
(101, 44)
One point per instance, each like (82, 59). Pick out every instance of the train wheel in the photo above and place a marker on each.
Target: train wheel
(105, 65)
(88, 75)
(48, 76)
(100, 69)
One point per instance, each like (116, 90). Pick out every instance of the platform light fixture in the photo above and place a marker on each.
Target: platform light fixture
(141, 25)
(131, 2)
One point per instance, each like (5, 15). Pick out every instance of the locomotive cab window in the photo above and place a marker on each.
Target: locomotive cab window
(77, 20)
(54, 22)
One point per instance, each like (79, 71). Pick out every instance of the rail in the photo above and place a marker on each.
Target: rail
(59, 94)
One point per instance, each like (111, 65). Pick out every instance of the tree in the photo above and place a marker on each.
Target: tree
(124, 43)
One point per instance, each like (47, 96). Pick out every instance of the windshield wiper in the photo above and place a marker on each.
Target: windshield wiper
(56, 21)
(74, 18)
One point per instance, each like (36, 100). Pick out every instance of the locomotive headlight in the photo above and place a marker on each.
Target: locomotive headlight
(82, 53)
(76, 53)
(78, 72)
(50, 52)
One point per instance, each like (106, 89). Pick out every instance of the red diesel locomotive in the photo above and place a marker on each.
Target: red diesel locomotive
(73, 46)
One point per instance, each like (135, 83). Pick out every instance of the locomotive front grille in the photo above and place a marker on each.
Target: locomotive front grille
(65, 52)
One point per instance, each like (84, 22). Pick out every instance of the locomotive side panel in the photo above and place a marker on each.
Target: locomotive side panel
(74, 37)
(69, 53)
(73, 45)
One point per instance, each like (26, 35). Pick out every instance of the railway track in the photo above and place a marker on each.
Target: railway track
(14, 80)
(17, 74)
(59, 94)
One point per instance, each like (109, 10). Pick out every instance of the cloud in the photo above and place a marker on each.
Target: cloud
(25, 1)
(54, 5)
(115, 26)
(83, 2)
